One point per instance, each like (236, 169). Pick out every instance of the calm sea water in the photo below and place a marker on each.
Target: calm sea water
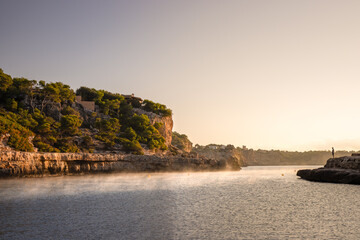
(254, 203)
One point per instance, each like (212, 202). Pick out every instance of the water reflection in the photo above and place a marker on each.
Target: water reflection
(255, 203)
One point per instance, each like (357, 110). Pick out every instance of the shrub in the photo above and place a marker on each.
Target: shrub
(130, 134)
(131, 146)
(70, 124)
(157, 108)
(44, 147)
(70, 111)
(66, 144)
(19, 135)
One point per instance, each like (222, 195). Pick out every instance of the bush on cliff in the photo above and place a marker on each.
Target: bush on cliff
(48, 112)
(70, 124)
(67, 144)
(5, 81)
(131, 146)
(44, 147)
(156, 108)
(147, 133)
(19, 136)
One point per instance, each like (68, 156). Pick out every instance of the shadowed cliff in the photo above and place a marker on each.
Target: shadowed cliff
(336, 170)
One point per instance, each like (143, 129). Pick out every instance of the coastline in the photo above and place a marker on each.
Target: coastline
(29, 164)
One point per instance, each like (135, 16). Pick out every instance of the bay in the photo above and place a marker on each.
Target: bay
(254, 203)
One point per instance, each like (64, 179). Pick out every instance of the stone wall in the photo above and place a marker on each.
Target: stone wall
(87, 105)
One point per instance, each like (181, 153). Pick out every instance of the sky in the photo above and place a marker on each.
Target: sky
(271, 74)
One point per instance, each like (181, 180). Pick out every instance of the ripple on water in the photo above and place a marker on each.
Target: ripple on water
(255, 203)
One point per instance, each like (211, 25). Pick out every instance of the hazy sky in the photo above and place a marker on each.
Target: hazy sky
(265, 74)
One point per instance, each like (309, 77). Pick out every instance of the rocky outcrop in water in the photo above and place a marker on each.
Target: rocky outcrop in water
(336, 170)
(15, 163)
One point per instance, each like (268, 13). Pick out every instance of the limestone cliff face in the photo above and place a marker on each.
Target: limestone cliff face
(187, 146)
(336, 170)
(167, 123)
(229, 157)
(3, 142)
(13, 163)
(181, 141)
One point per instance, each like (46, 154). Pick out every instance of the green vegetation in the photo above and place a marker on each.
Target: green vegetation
(156, 108)
(19, 135)
(47, 113)
(115, 105)
(261, 157)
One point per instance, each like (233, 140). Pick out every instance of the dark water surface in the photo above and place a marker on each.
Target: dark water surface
(254, 203)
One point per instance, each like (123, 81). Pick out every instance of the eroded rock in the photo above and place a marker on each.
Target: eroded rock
(15, 163)
(336, 170)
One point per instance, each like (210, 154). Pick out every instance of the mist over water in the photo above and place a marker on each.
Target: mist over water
(254, 203)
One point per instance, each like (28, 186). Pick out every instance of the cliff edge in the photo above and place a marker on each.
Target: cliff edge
(336, 170)
(22, 164)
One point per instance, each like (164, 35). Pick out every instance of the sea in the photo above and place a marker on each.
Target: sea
(254, 203)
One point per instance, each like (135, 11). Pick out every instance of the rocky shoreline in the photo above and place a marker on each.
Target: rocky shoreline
(337, 170)
(29, 164)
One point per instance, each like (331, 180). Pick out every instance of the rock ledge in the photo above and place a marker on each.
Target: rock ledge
(20, 164)
(337, 170)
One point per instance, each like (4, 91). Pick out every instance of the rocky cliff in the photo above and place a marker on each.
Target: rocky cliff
(228, 156)
(166, 127)
(181, 141)
(336, 170)
(15, 163)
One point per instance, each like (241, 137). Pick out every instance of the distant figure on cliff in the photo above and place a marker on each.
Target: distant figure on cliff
(333, 152)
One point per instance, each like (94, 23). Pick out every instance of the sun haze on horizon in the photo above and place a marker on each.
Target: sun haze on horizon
(265, 74)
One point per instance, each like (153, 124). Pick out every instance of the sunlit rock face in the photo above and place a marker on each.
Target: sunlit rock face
(336, 170)
(14, 163)
(3, 142)
(181, 141)
(167, 123)
(227, 156)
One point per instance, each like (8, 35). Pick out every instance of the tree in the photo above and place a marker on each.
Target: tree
(70, 124)
(146, 133)
(11, 104)
(19, 135)
(5, 81)
(157, 108)
(23, 89)
(89, 94)
(130, 134)
(108, 130)
(70, 111)
(55, 93)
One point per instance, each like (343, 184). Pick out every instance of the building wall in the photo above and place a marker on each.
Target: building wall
(88, 105)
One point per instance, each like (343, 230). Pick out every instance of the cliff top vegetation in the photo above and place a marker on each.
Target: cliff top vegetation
(48, 114)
